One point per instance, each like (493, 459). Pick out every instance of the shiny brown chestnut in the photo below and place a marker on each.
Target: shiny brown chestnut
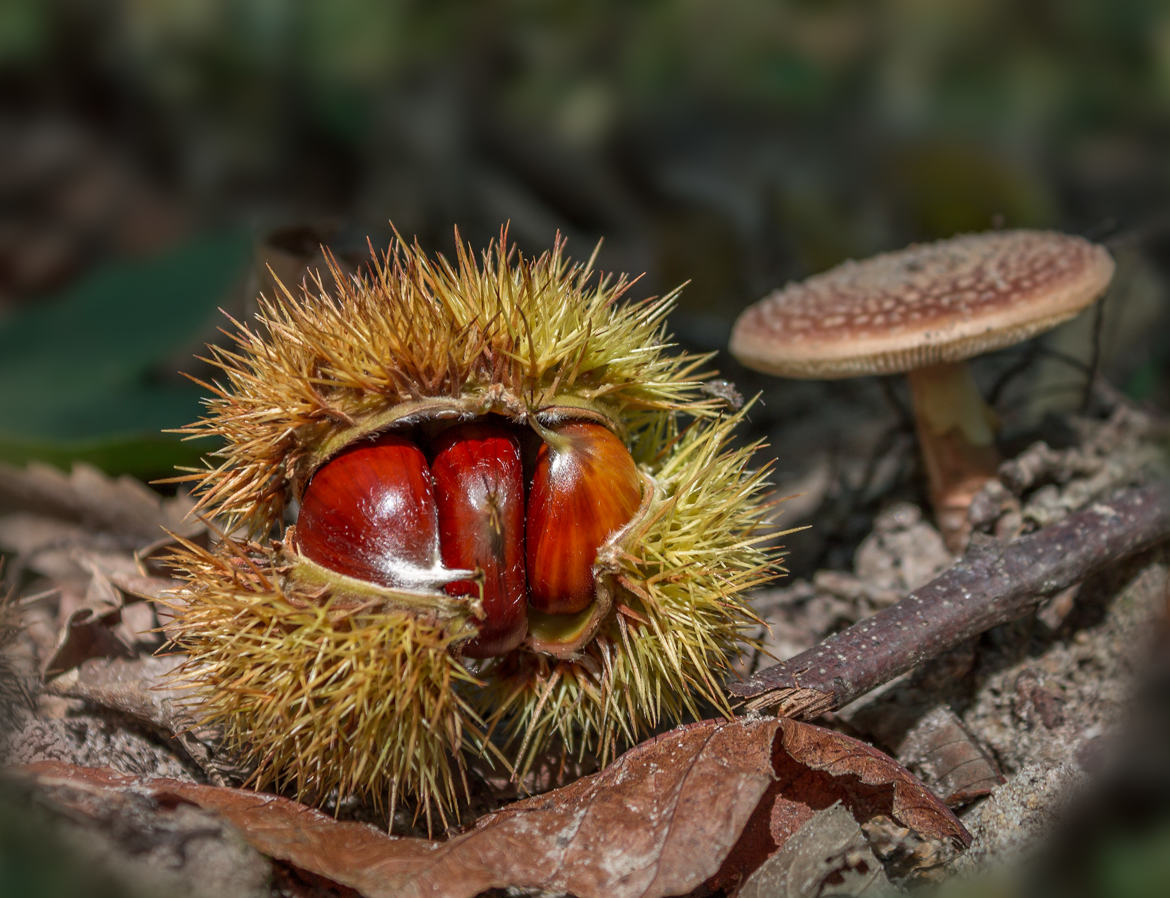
(479, 481)
(585, 486)
(370, 513)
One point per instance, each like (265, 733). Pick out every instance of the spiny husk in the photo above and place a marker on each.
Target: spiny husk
(679, 617)
(319, 699)
(323, 693)
(506, 333)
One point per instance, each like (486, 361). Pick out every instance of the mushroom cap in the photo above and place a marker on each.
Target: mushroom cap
(923, 305)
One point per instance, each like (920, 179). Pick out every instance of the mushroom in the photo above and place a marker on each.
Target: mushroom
(924, 311)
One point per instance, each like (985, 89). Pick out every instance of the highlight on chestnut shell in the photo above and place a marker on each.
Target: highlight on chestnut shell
(520, 526)
(370, 513)
(585, 487)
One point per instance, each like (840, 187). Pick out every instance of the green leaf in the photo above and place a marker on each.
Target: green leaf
(82, 374)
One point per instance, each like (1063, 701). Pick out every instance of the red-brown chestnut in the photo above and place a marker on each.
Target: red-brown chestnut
(479, 478)
(585, 487)
(370, 513)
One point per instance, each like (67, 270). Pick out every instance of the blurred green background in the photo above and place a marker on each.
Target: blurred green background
(153, 154)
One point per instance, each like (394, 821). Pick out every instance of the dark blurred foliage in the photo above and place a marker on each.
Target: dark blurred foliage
(736, 145)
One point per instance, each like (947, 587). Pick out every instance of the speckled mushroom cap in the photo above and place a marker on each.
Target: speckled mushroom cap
(926, 304)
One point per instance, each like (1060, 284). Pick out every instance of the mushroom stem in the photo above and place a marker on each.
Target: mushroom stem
(956, 430)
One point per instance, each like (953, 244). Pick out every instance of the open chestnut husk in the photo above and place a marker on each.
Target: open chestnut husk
(477, 508)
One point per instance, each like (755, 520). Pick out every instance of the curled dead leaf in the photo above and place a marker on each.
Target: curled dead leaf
(94, 538)
(814, 769)
(91, 629)
(693, 806)
(829, 855)
(869, 782)
(102, 624)
(949, 757)
(121, 508)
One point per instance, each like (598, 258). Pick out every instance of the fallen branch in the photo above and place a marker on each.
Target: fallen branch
(992, 584)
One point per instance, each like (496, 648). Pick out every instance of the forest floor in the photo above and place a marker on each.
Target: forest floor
(1022, 731)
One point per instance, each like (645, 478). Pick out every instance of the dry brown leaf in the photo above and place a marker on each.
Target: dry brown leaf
(945, 753)
(656, 822)
(816, 768)
(91, 628)
(665, 818)
(123, 506)
(869, 782)
(101, 624)
(88, 534)
(829, 855)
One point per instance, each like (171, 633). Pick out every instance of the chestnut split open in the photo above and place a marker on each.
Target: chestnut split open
(378, 511)
(523, 526)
